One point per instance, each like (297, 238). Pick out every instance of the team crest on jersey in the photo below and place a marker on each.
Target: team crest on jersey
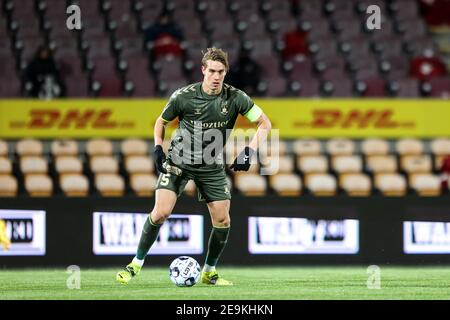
(198, 110)
(224, 108)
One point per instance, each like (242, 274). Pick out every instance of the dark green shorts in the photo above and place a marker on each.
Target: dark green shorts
(211, 186)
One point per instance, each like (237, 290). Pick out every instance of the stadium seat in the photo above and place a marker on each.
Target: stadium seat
(143, 184)
(29, 147)
(74, 185)
(104, 164)
(425, 184)
(286, 184)
(109, 184)
(132, 147)
(356, 184)
(416, 164)
(139, 164)
(3, 148)
(382, 164)
(305, 147)
(312, 164)
(251, 184)
(321, 184)
(64, 148)
(440, 146)
(68, 164)
(409, 146)
(391, 184)
(281, 164)
(8, 185)
(33, 164)
(438, 160)
(5, 166)
(374, 147)
(347, 164)
(98, 147)
(38, 185)
(340, 147)
(273, 148)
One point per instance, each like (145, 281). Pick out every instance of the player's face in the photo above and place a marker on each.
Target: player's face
(214, 73)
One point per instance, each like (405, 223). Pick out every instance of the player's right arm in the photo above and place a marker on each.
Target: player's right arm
(159, 131)
(169, 113)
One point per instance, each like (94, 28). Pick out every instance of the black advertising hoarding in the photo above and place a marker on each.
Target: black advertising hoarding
(271, 230)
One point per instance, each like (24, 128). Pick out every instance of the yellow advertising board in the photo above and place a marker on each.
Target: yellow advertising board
(294, 118)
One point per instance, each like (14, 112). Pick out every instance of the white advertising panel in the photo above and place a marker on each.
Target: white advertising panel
(117, 233)
(26, 231)
(273, 235)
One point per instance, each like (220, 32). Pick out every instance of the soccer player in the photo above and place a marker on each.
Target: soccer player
(208, 107)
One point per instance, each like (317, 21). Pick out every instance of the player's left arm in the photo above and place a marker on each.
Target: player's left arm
(255, 115)
(264, 127)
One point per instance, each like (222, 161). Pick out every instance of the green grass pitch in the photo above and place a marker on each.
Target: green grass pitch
(255, 283)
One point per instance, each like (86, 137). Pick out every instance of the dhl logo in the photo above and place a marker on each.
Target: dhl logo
(72, 118)
(335, 118)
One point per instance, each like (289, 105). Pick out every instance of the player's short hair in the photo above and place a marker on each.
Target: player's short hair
(215, 54)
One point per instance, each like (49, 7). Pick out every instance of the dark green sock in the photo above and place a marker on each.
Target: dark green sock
(217, 241)
(148, 236)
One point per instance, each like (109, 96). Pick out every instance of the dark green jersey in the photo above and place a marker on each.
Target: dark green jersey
(205, 122)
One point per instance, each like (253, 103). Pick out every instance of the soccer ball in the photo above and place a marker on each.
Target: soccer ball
(184, 271)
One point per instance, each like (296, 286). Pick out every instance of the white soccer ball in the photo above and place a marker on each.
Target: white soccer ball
(184, 271)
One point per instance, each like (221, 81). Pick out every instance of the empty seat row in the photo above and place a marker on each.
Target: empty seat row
(113, 168)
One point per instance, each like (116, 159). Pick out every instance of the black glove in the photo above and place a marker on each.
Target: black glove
(160, 158)
(242, 162)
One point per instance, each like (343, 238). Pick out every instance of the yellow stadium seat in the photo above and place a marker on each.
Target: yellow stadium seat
(416, 164)
(99, 147)
(29, 147)
(306, 147)
(60, 148)
(438, 161)
(321, 184)
(4, 149)
(143, 184)
(281, 164)
(286, 184)
(33, 164)
(139, 164)
(133, 147)
(391, 184)
(356, 184)
(272, 148)
(74, 185)
(440, 146)
(312, 164)
(340, 147)
(5, 166)
(382, 164)
(68, 164)
(109, 184)
(8, 186)
(375, 147)
(104, 164)
(251, 184)
(347, 164)
(38, 185)
(425, 184)
(409, 146)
